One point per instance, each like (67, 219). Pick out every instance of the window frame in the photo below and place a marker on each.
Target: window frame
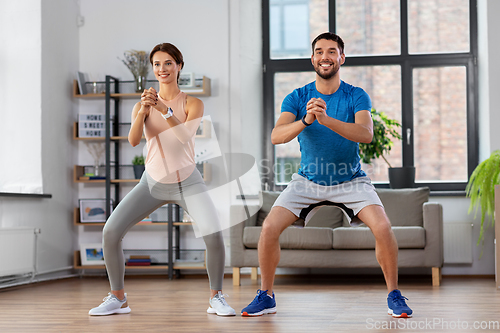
(407, 62)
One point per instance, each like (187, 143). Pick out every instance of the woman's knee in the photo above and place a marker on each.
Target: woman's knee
(109, 234)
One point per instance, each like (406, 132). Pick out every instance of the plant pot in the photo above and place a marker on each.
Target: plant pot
(403, 177)
(138, 171)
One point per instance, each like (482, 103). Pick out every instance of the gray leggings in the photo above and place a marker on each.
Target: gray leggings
(142, 200)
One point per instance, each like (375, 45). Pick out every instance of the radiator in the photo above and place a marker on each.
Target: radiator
(457, 242)
(17, 251)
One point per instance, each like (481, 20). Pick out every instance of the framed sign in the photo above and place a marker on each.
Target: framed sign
(93, 210)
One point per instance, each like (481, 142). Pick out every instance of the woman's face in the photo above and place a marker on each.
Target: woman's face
(165, 67)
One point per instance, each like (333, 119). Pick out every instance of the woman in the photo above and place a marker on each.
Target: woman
(169, 119)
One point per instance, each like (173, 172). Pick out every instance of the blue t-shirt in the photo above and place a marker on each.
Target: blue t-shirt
(326, 157)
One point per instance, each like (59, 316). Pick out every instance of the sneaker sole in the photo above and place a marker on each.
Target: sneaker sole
(213, 311)
(117, 311)
(260, 313)
(403, 315)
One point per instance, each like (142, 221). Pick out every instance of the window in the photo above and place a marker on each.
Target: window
(415, 58)
(292, 23)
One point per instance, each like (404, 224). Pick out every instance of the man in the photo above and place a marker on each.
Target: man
(330, 118)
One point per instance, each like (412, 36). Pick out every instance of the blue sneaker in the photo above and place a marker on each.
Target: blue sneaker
(397, 305)
(262, 304)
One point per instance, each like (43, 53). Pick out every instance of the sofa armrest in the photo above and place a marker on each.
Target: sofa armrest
(239, 213)
(433, 225)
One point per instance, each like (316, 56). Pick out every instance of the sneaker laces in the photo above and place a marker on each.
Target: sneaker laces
(106, 299)
(260, 296)
(399, 300)
(220, 297)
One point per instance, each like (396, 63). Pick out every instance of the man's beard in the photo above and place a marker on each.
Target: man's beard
(329, 75)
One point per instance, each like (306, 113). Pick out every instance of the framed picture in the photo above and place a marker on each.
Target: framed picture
(91, 254)
(186, 80)
(93, 210)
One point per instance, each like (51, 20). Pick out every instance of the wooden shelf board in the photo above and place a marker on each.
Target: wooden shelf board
(125, 180)
(78, 172)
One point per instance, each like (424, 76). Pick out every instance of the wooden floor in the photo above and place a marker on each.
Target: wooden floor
(305, 304)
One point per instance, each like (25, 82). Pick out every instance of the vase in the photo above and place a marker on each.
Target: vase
(140, 83)
(403, 177)
(138, 170)
(96, 169)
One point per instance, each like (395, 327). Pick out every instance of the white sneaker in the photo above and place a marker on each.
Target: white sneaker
(219, 306)
(111, 305)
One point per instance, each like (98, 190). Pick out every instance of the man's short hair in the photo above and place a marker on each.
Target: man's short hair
(330, 36)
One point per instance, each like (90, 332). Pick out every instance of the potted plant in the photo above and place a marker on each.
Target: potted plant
(385, 130)
(138, 163)
(481, 189)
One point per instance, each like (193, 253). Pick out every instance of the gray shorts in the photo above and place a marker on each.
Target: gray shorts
(303, 197)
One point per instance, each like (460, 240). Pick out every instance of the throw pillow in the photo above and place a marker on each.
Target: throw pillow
(404, 207)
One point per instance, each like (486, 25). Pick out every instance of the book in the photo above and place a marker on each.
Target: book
(91, 177)
(139, 256)
(138, 263)
(81, 83)
(139, 260)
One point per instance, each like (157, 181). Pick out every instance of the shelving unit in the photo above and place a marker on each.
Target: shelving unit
(115, 180)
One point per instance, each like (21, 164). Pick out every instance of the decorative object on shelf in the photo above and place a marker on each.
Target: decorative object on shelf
(208, 147)
(384, 130)
(96, 149)
(91, 254)
(204, 129)
(80, 77)
(138, 63)
(92, 125)
(138, 163)
(186, 80)
(93, 210)
(186, 217)
(481, 190)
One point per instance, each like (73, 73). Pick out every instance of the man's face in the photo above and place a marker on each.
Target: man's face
(327, 58)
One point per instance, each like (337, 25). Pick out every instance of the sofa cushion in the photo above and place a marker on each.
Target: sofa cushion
(327, 217)
(268, 199)
(348, 238)
(294, 238)
(404, 207)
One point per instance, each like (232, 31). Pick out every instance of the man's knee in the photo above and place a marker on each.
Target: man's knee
(277, 221)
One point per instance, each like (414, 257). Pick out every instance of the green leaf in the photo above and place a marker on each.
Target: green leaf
(385, 130)
(481, 190)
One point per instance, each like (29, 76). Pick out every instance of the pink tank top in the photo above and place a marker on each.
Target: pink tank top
(169, 160)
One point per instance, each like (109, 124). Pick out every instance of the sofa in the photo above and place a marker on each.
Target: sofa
(328, 241)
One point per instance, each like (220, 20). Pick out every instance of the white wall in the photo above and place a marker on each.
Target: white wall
(48, 87)
(20, 96)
